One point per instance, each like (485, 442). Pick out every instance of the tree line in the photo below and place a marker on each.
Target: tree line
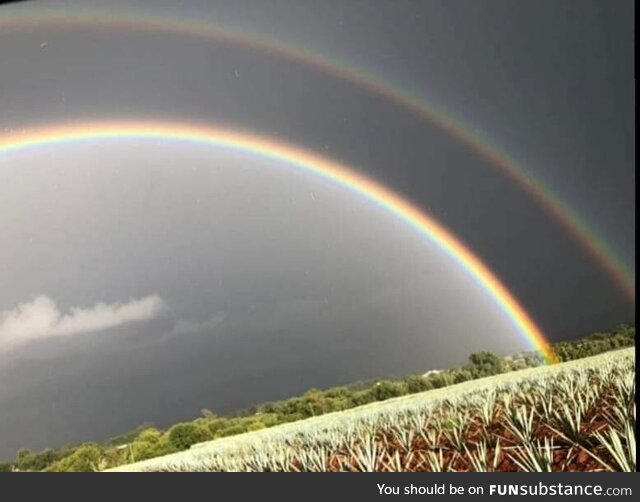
(148, 441)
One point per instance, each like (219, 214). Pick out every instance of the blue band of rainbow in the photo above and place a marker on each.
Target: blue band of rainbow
(301, 159)
(618, 270)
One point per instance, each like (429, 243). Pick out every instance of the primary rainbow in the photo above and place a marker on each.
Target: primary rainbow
(307, 161)
(24, 18)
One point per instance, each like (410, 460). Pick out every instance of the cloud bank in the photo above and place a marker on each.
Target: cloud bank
(41, 318)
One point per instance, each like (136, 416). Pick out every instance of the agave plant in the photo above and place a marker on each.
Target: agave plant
(569, 422)
(621, 447)
(543, 421)
(521, 424)
(436, 462)
(479, 457)
(534, 458)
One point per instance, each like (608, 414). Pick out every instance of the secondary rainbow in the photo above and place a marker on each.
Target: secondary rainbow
(307, 161)
(25, 18)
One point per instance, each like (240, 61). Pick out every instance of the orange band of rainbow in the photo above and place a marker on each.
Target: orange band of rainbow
(424, 106)
(307, 161)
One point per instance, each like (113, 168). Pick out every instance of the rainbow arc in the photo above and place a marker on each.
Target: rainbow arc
(93, 20)
(304, 160)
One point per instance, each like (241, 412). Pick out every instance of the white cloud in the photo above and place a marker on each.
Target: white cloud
(41, 318)
(183, 327)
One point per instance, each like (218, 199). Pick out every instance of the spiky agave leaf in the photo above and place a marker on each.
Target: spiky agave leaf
(569, 423)
(622, 448)
(534, 458)
(520, 423)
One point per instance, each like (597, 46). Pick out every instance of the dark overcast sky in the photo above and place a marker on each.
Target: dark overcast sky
(273, 282)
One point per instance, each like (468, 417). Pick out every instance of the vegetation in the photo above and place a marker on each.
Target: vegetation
(148, 442)
(575, 416)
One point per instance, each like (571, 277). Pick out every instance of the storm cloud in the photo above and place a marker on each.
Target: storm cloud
(142, 280)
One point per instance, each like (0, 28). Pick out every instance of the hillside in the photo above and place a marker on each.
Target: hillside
(572, 416)
(148, 442)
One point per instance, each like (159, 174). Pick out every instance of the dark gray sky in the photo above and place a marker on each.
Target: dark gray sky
(226, 279)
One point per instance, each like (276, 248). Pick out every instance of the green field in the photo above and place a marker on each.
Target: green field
(576, 416)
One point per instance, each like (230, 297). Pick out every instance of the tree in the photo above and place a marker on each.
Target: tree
(183, 436)
(486, 363)
(417, 383)
(151, 435)
(314, 402)
(386, 390)
(461, 375)
(38, 461)
(86, 458)
(439, 380)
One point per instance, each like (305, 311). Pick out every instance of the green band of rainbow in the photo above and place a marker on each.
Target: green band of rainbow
(621, 273)
(309, 162)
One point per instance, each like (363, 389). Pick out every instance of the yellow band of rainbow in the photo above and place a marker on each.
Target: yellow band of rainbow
(558, 206)
(307, 161)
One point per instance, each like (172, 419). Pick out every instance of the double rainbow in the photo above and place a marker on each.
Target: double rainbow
(27, 19)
